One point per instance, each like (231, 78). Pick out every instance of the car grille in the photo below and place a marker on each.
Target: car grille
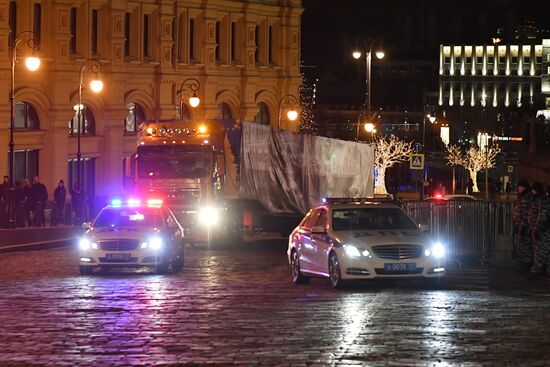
(398, 252)
(119, 245)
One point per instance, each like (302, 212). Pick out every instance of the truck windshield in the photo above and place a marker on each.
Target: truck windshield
(187, 165)
(128, 217)
(353, 219)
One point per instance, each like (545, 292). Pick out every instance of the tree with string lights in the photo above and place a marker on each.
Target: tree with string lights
(307, 100)
(387, 153)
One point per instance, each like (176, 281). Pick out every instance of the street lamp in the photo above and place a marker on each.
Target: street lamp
(376, 45)
(292, 114)
(32, 63)
(96, 86)
(193, 85)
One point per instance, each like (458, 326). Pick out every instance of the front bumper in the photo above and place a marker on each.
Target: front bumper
(126, 259)
(365, 268)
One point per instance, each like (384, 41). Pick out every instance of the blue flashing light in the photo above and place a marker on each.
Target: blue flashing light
(324, 200)
(116, 202)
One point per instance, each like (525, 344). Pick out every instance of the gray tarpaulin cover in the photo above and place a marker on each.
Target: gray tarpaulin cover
(289, 172)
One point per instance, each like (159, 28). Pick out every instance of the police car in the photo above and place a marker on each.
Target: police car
(350, 239)
(132, 234)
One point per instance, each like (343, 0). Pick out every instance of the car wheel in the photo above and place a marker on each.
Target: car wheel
(178, 259)
(433, 283)
(295, 272)
(335, 275)
(86, 270)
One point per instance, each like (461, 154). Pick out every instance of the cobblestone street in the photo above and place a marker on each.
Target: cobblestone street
(238, 306)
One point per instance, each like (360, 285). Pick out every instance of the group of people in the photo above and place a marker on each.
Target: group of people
(532, 228)
(24, 204)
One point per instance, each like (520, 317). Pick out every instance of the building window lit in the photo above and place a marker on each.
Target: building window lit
(72, 28)
(87, 123)
(37, 24)
(25, 117)
(262, 117)
(12, 23)
(134, 118)
(26, 164)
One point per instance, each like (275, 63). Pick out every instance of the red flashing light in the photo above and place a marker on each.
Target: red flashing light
(438, 196)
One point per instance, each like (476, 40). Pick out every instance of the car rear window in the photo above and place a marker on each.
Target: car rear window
(353, 219)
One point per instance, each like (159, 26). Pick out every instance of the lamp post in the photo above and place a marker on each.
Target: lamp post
(193, 85)
(430, 117)
(32, 63)
(292, 114)
(374, 44)
(96, 86)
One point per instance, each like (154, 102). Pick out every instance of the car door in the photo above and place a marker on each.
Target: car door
(320, 242)
(304, 242)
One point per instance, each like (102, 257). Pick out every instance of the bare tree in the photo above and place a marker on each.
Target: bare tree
(388, 152)
(455, 157)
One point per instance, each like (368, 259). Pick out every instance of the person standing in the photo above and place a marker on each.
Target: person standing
(59, 196)
(535, 220)
(523, 247)
(20, 204)
(4, 202)
(38, 197)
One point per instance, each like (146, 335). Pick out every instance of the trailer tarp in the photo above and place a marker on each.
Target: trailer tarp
(289, 172)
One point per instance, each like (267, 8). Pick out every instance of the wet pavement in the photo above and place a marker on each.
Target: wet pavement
(238, 307)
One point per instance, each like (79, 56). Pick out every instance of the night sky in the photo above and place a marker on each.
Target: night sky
(411, 30)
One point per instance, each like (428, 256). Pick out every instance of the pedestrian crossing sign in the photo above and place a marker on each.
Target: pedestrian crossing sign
(416, 161)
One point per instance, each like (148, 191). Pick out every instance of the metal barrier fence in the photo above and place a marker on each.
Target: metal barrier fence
(469, 229)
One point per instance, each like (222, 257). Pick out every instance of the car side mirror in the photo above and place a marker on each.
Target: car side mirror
(424, 227)
(318, 230)
(87, 225)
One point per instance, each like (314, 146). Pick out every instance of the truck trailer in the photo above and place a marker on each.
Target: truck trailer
(225, 179)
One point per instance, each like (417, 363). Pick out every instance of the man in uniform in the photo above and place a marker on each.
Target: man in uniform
(523, 247)
(537, 219)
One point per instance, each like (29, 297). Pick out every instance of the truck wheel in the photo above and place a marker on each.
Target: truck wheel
(178, 259)
(295, 272)
(86, 270)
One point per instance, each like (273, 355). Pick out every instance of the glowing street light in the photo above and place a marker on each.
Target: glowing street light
(292, 114)
(32, 63)
(369, 127)
(193, 85)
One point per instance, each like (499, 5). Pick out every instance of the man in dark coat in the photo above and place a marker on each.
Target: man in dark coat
(38, 197)
(523, 243)
(59, 196)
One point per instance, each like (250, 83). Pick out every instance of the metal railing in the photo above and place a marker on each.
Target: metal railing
(469, 229)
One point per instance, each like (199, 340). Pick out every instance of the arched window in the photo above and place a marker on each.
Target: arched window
(135, 117)
(87, 125)
(225, 111)
(262, 117)
(25, 117)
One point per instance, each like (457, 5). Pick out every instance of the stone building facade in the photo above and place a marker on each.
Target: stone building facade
(245, 54)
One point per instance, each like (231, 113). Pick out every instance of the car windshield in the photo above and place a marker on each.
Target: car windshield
(128, 217)
(188, 165)
(352, 219)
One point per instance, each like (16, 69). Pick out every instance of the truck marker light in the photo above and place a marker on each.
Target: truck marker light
(202, 129)
(206, 141)
(150, 130)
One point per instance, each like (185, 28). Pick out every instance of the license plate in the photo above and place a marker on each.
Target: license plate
(122, 257)
(400, 267)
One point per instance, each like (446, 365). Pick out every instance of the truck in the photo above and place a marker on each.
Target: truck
(227, 179)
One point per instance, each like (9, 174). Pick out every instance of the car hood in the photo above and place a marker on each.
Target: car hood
(118, 233)
(383, 237)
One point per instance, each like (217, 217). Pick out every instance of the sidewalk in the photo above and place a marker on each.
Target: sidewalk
(30, 238)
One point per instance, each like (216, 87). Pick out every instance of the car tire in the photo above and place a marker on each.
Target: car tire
(178, 259)
(433, 283)
(86, 270)
(335, 274)
(295, 272)
(161, 267)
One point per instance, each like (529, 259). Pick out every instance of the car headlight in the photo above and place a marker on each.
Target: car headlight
(209, 216)
(155, 243)
(84, 244)
(438, 251)
(143, 245)
(351, 251)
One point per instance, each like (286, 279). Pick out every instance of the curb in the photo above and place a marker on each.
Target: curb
(36, 246)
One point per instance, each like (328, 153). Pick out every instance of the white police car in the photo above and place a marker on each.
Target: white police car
(132, 234)
(350, 240)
